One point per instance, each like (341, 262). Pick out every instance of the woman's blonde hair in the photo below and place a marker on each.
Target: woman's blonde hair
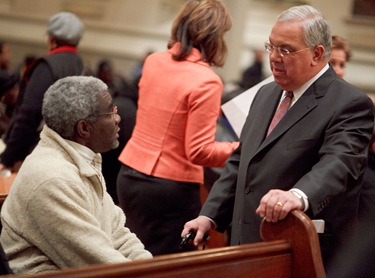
(202, 24)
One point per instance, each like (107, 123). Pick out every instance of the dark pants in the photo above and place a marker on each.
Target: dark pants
(156, 209)
(4, 264)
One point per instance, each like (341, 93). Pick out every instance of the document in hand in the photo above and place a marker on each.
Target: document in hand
(236, 109)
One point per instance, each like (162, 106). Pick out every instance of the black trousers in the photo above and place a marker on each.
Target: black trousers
(156, 209)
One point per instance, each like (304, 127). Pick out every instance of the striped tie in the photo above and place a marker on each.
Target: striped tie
(281, 111)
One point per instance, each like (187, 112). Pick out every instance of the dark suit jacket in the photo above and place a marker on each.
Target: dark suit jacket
(320, 147)
(367, 196)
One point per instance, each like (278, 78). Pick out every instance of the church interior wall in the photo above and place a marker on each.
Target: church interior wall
(124, 30)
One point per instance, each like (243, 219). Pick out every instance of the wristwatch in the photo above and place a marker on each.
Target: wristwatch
(299, 196)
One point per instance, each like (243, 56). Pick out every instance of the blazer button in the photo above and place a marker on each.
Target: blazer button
(247, 189)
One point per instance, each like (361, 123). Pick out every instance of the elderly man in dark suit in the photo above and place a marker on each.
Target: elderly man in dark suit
(312, 159)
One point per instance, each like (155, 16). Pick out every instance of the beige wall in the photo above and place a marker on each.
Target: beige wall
(123, 30)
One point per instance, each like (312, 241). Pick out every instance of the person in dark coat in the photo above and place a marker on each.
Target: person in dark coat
(253, 74)
(65, 31)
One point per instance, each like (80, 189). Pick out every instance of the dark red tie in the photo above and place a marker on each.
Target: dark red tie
(281, 111)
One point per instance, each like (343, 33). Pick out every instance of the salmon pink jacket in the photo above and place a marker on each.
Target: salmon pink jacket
(178, 107)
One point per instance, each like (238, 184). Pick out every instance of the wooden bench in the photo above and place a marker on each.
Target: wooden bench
(290, 249)
(5, 184)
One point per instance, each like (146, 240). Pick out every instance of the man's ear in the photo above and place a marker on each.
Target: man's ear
(84, 129)
(318, 54)
(51, 42)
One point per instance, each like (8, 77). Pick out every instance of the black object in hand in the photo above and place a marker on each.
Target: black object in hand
(190, 236)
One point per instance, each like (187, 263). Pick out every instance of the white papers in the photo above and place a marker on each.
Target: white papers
(319, 225)
(236, 109)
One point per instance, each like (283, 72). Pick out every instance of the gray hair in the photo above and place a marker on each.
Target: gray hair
(69, 100)
(316, 30)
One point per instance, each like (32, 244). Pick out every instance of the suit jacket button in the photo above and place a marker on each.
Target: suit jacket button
(247, 190)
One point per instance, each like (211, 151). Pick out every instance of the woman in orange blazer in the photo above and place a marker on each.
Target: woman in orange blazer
(178, 106)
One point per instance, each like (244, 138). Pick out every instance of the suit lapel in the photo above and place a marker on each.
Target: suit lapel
(307, 102)
(304, 105)
(267, 109)
(258, 119)
(265, 104)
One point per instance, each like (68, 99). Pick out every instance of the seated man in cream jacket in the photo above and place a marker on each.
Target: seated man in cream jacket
(58, 213)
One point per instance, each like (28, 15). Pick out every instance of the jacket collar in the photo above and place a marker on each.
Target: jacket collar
(195, 56)
(307, 102)
(64, 48)
(56, 140)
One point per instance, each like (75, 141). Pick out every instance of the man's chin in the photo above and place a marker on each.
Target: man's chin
(281, 80)
(115, 145)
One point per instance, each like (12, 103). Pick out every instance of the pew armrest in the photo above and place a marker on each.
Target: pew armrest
(298, 228)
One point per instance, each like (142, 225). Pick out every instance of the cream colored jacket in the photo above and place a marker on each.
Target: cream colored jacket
(59, 215)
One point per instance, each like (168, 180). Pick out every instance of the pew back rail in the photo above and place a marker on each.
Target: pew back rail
(290, 249)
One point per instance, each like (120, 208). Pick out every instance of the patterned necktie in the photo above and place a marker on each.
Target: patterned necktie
(281, 111)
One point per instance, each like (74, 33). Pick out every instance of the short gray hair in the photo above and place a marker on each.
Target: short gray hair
(69, 100)
(316, 29)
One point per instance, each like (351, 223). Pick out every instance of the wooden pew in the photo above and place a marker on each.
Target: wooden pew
(5, 184)
(290, 249)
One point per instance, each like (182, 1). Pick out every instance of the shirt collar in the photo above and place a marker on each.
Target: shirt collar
(298, 93)
(94, 159)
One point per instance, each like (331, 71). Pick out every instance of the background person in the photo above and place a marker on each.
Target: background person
(125, 98)
(313, 160)
(58, 213)
(254, 73)
(5, 64)
(65, 30)
(340, 55)
(8, 87)
(179, 102)
(8, 98)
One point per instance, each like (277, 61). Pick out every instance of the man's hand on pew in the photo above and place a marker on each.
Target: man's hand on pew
(276, 205)
(201, 225)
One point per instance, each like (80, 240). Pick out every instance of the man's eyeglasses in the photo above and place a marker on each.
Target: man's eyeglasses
(281, 50)
(114, 112)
